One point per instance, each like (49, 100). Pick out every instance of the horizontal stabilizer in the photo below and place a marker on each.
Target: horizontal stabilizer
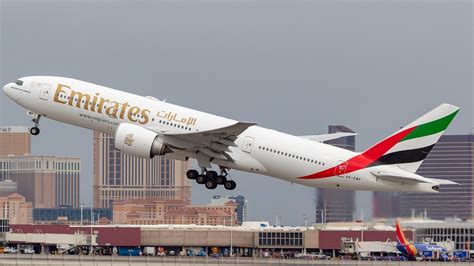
(444, 181)
(400, 175)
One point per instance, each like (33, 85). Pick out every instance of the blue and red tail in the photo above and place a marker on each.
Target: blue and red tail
(410, 249)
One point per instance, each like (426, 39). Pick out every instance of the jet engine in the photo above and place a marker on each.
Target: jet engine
(139, 141)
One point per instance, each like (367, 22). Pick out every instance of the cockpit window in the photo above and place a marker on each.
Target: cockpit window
(19, 82)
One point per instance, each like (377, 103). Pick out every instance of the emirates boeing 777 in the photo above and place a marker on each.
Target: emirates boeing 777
(146, 127)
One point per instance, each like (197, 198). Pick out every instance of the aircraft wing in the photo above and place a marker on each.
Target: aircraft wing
(213, 143)
(326, 137)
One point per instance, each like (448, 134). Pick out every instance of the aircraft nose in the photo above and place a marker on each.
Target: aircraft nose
(6, 88)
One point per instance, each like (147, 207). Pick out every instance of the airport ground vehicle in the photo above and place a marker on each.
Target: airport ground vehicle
(461, 255)
(11, 250)
(149, 251)
(129, 251)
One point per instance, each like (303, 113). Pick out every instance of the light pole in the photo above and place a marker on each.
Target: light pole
(91, 222)
(231, 224)
(82, 210)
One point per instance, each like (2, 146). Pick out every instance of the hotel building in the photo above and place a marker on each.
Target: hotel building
(119, 176)
(15, 208)
(46, 181)
(157, 211)
(14, 140)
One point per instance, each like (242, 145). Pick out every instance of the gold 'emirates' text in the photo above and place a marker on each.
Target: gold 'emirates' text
(96, 104)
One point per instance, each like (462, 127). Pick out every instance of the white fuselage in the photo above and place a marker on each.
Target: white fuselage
(271, 152)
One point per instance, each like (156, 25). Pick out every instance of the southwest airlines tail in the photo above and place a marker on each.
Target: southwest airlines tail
(403, 244)
(409, 146)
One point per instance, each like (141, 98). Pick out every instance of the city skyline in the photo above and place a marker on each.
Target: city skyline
(323, 62)
(119, 176)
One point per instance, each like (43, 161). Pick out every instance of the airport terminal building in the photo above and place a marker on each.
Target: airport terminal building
(253, 239)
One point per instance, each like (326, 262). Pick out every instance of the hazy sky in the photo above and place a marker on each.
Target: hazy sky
(295, 66)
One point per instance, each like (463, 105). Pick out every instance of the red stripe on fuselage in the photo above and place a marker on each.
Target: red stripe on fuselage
(364, 159)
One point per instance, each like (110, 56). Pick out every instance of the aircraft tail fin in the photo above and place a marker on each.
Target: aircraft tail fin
(409, 146)
(401, 239)
(407, 247)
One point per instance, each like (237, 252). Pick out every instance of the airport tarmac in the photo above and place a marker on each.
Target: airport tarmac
(33, 260)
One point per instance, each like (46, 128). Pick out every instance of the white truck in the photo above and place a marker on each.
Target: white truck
(149, 251)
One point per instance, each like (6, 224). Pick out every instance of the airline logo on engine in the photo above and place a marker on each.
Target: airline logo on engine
(129, 139)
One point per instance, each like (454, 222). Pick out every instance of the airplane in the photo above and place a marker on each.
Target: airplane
(413, 250)
(146, 127)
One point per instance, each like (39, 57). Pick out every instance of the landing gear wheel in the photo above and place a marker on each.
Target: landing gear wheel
(34, 131)
(201, 179)
(211, 184)
(192, 174)
(221, 180)
(230, 185)
(211, 174)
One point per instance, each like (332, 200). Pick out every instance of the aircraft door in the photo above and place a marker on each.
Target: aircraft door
(248, 144)
(45, 91)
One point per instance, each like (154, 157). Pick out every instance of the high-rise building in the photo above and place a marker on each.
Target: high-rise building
(451, 158)
(336, 205)
(386, 204)
(16, 209)
(239, 200)
(119, 176)
(46, 181)
(14, 140)
(7, 187)
(156, 211)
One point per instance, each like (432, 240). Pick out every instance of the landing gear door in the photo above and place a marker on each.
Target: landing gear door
(45, 91)
(248, 144)
(341, 168)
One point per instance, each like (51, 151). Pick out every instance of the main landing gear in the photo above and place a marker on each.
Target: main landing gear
(211, 179)
(35, 130)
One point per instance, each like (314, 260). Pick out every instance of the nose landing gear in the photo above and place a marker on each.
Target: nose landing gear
(211, 179)
(35, 130)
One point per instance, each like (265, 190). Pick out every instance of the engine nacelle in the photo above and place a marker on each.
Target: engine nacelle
(139, 141)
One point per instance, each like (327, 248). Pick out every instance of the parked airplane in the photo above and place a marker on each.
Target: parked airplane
(146, 126)
(414, 250)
